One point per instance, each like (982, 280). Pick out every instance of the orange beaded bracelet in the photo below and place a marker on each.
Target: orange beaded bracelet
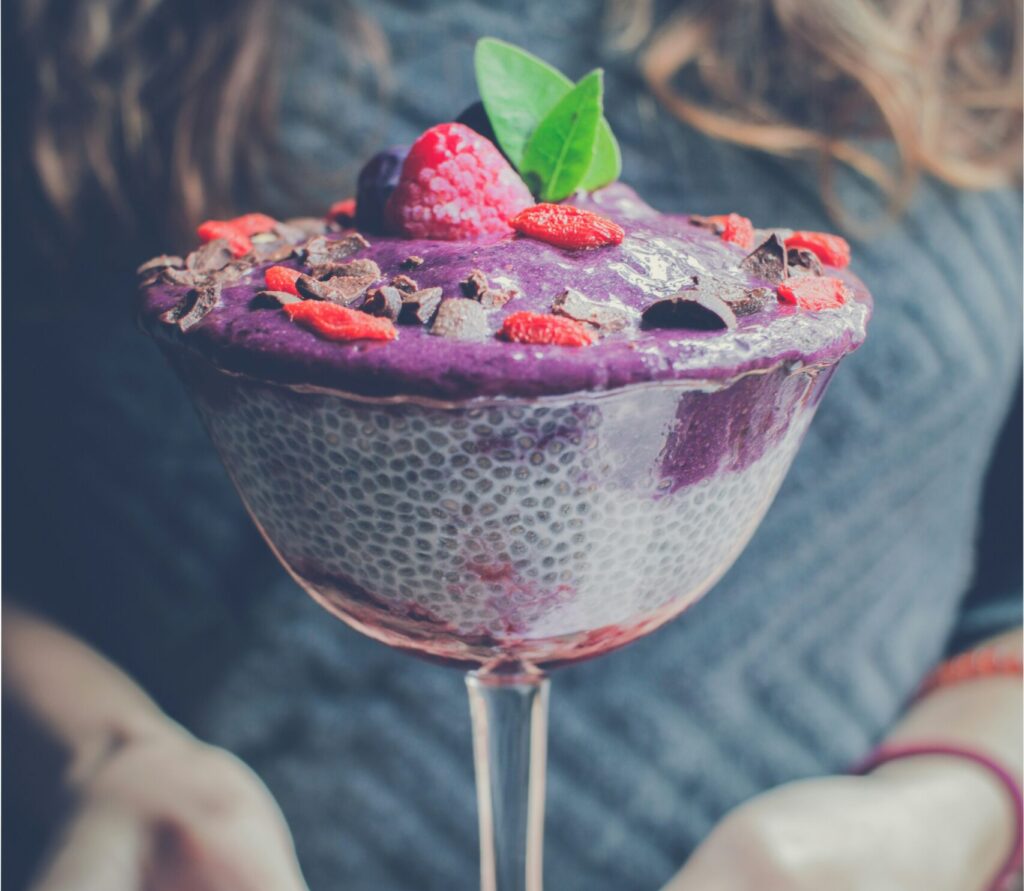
(981, 663)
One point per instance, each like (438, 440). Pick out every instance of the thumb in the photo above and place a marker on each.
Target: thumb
(99, 849)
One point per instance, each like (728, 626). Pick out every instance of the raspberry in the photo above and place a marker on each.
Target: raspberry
(237, 241)
(343, 211)
(833, 250)
(739, 230)
(334, 322)
(252, 223)
(566, 226)
(455, 185)
(281, 278)
(540, 328)
(813, 292)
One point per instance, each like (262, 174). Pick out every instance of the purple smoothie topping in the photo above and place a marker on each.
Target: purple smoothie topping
(660, 257)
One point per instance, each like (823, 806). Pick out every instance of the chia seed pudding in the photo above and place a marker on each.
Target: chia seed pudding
(481, 501)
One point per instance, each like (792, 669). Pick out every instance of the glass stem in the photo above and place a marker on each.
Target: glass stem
(510, 727)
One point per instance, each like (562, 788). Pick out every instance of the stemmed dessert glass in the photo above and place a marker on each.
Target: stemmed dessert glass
(508, 536)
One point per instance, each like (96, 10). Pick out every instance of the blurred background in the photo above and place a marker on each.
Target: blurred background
(129, 121)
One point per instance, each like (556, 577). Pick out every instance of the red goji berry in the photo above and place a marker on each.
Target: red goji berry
(541, 328)
(567, 226)
(238, 242)
(739, 230)
(334, 322)
(833, 250)
(343, 211)
(252, 223)
(282, 278)
(813, 292)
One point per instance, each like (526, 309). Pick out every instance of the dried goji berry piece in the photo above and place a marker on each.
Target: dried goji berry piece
(739, 230)
(282, 278)
(833, 250)
(567, 226)
(343, 211)
(541, 328)
(252, 223)
(334, 322)
(238, 242)
(813, 292)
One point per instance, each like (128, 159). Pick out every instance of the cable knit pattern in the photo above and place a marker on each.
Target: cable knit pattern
(126, 529)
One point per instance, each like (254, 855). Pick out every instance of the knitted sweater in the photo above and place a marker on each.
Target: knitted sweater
(122, 524)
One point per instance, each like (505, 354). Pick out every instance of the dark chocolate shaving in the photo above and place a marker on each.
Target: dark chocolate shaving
(209, 257)
(385, 301)
(412, 262)
(707, 223)
(342, 289)
(418, 308)
(350, 268)
(273, 299)
(753, 300)
(404, 283)
(272, 249)
(804, 262)
(194, 308)
(767, 260)
(460, 319)
(574, 305)
(164, 261)
(694, 310)
(320, 251)
(300, 228)
(477, 287)
(474, 284)
(180, 277)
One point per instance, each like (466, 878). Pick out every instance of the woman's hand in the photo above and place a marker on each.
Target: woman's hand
(171, 814)
(923, 824)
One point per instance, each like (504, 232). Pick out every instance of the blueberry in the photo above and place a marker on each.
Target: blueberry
(475, 117)
(377, 180)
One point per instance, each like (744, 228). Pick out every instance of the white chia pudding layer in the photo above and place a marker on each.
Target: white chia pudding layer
(538, 531)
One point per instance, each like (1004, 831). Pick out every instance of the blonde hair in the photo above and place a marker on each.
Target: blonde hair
(822, 79)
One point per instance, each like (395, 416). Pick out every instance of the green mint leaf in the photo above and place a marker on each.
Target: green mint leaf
(561, 149)
(607, 163)
(517, 90)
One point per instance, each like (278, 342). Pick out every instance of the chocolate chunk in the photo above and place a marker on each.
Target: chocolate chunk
(209, 257)
(342, 289)
(164, 261)
(753, 300)
(272, 249)
(321, 250)
(194, 308)
(404, 283)
(348, 268)
(804, 262)
(180, 277)
(460, 319)
(412, 262)
(695, 310)
(477, 287)
(474, 284)
(299, 229)
(273, 299)
(385, 301)
(574, 305)
(767, 260)
(707, 223)
(494, 298)
(418, 308)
